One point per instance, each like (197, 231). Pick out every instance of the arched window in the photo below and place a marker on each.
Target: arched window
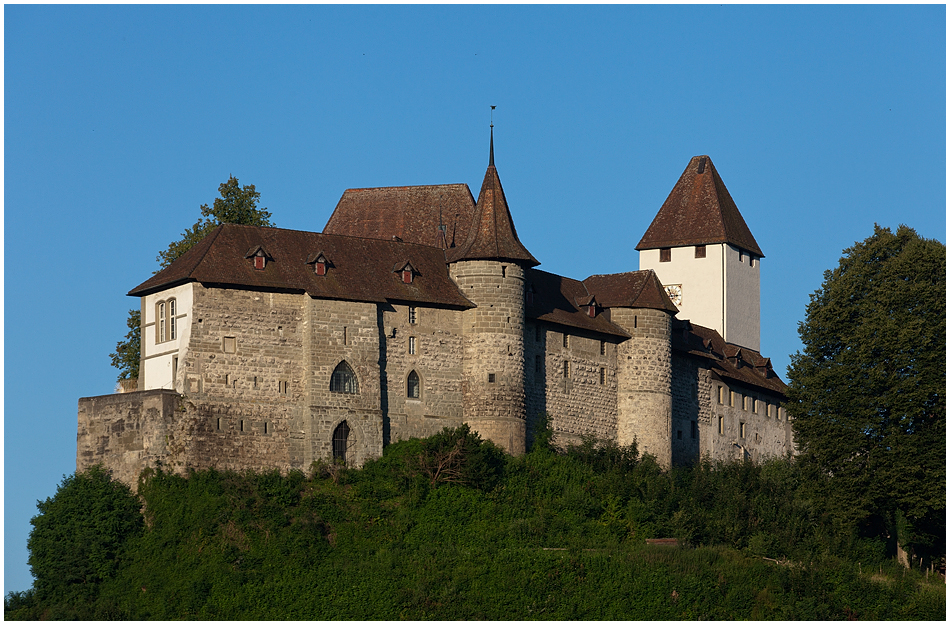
(343, 380)
(412, 385)
(340, 434)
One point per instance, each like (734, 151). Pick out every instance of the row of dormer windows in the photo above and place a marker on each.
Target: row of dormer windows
(321, 264)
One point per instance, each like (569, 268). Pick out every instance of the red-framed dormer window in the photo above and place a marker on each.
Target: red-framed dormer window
(407, 276)
(320, 268)
(260, 261)
(592, 310)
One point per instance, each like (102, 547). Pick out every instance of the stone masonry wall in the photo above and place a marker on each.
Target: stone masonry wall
(493, 399)
(341, 331)
(581, 401)
(644, 378)
(745, 424)
(691, 410)
(435, 337)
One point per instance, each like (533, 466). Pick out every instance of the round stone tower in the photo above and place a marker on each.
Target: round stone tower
(644, 382)
(489, 269)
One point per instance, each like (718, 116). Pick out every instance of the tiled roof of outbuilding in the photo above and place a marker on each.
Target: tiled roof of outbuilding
(360, 269)
(726, 360)
(492, 235)
(699, 210)
(554, 298)
(411, 213)
(633, 289)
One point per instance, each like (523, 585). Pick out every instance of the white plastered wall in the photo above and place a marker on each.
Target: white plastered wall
(718, 291)
(158, 358)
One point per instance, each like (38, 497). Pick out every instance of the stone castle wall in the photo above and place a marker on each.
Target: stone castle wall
(581, 399)
(745, 424)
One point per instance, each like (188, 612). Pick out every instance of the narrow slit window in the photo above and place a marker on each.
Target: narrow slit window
(412, 345)
(603, 348)
(567, 369)
(603, 376)
(412, 314)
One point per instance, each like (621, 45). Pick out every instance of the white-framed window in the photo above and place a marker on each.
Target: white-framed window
(166, 323)
(412, 345)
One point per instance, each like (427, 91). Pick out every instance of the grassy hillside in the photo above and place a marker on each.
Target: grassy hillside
(451, 528)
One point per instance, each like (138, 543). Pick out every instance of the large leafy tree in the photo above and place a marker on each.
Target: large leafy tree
(868, 391)
(236, 205)
(78, 536)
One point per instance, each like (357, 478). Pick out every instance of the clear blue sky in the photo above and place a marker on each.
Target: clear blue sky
(121, 121)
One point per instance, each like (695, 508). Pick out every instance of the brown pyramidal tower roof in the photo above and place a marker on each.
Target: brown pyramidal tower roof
(492, 235)
(699, 211)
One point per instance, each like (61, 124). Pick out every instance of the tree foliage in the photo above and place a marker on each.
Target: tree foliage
(79, 533)
(868, 391)
(237, 205)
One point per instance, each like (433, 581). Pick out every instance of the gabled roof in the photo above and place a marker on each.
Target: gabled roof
(362, 269)
(725, 360)
(699, 211)
(554, 300)
(413, 214)
(492, 235)
(633, 289)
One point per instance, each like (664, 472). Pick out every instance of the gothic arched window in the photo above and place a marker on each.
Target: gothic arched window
(340, 434)
(412, 385)
(343, 379)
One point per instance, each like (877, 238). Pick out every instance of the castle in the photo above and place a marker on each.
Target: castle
(419, 308)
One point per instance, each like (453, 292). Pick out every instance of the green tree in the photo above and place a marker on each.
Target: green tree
(78, 536)
(868, 391)
(237, 205)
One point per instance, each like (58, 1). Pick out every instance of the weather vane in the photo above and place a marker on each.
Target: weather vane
(492, 118)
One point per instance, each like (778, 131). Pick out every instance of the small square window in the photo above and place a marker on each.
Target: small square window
(665, 254)
(491, 378)
(700, 251)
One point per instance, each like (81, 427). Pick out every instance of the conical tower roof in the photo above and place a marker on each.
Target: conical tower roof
(492, 235)
(699, 211)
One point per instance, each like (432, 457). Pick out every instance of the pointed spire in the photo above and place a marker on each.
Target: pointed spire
(491, 141)
(699, 211)
(492, 235)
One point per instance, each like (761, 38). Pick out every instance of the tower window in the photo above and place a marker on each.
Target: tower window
(603, 376)
(340, 436)
(567, 340)
(412, 385)
(412, 345)
(567, 369)
(603, 348)
(412, 314)
(665, 254)
(721, 428)
(700, 251)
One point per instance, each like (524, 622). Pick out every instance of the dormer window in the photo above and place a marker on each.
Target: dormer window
(259, 256)
(320, 263)
(406, 271)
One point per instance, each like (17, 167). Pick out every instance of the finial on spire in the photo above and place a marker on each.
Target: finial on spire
(491, 141)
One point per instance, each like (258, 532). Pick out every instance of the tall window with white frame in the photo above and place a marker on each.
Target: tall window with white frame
(162, 317)
(166, 326)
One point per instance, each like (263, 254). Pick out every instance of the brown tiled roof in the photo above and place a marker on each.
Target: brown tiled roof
(492, 235)
(411, 213)
(359, 269)
(555, 299)
(699, 210)
(633, 289)
(728, 361)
